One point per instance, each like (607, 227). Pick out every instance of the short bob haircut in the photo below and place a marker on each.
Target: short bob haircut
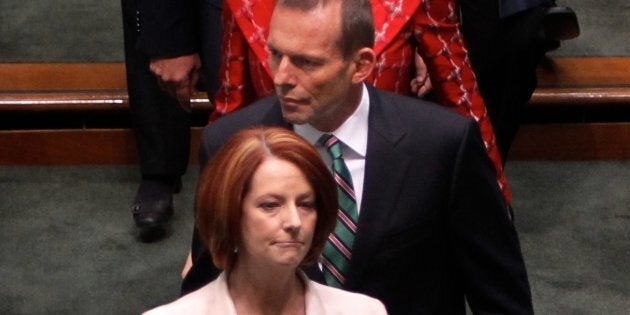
(225, 181)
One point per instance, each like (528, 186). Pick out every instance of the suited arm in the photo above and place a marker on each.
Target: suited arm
(199, 269)
(208, 146)
(484, 239)
(167, 27)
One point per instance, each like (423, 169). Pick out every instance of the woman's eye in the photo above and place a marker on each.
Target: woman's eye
(308, 205)
(268, 206)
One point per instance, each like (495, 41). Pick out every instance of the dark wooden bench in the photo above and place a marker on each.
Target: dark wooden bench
(580, 111)
(69, 87)
(70, 113)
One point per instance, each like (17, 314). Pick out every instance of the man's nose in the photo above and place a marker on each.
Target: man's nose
(283, 75)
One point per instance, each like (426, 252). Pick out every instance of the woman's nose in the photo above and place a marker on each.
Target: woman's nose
(292, 220)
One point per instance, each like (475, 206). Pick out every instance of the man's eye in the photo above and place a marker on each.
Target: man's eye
(275, 55)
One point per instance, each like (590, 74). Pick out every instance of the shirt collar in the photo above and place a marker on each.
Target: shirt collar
(353, 132)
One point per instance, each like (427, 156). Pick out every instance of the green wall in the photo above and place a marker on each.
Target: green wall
(91, 31)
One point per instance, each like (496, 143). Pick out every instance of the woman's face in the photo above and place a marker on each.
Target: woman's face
(279, 216)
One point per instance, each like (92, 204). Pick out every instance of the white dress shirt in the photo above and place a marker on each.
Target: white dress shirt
(353, 134)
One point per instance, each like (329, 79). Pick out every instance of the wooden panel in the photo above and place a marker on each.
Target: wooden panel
(81, 100)
(93, 100)
(556, 72)
(581, 96)
(117, 146)
(67, 147)
(62, 76)
(586, 141)
(585, 72)
(562, 81)
(94, 86)
(74, 147)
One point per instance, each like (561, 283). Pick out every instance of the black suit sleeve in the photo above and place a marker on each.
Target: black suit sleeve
(167, 27)
(484, 239)
(202, 270)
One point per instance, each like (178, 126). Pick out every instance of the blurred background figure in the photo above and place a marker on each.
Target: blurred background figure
(506, 41)
(173, 39)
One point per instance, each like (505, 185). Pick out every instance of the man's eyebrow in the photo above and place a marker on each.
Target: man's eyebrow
(295, 55)
(308, 58)
(270, 45)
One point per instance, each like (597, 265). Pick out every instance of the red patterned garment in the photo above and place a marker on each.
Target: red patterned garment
(402, 26)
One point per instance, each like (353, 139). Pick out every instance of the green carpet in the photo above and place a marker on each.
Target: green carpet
(69, 242)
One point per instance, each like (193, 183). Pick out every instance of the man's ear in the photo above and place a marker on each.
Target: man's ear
(364, 60)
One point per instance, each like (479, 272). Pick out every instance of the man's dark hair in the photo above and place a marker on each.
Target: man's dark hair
(357, 21)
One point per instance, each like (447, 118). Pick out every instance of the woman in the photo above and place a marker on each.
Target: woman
(269, 212)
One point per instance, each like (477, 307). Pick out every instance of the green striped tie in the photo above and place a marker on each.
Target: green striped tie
(337, 252)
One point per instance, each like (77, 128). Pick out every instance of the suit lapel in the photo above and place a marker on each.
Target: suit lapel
(385, 168)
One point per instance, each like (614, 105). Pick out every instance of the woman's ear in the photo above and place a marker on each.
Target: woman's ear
(364, 60)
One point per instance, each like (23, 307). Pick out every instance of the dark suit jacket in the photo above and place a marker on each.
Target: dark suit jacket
(505, 48)
(509, 7)
(167, 28)
(433, 224)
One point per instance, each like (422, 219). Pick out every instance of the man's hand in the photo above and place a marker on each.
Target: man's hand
(178, 76)
(421, 84)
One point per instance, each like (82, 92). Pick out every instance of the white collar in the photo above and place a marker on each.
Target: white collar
(312, 301)
(353, 132)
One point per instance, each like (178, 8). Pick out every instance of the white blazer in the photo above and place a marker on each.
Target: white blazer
(214, 298)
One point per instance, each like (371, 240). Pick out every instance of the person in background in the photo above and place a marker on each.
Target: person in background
(506, 43)
(269, 213)
(422, 224)
(166, 37)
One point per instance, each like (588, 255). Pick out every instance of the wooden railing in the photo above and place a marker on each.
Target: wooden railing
(99, 89)
(588, 100)
(77, 92)
(69, 87)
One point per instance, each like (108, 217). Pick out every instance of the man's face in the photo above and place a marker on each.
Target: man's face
(312, 79)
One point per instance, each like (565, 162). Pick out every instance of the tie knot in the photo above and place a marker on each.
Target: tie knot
(332, 144)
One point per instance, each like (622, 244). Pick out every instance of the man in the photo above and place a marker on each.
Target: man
(429, 29)
(165, 37)
(433, 227)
